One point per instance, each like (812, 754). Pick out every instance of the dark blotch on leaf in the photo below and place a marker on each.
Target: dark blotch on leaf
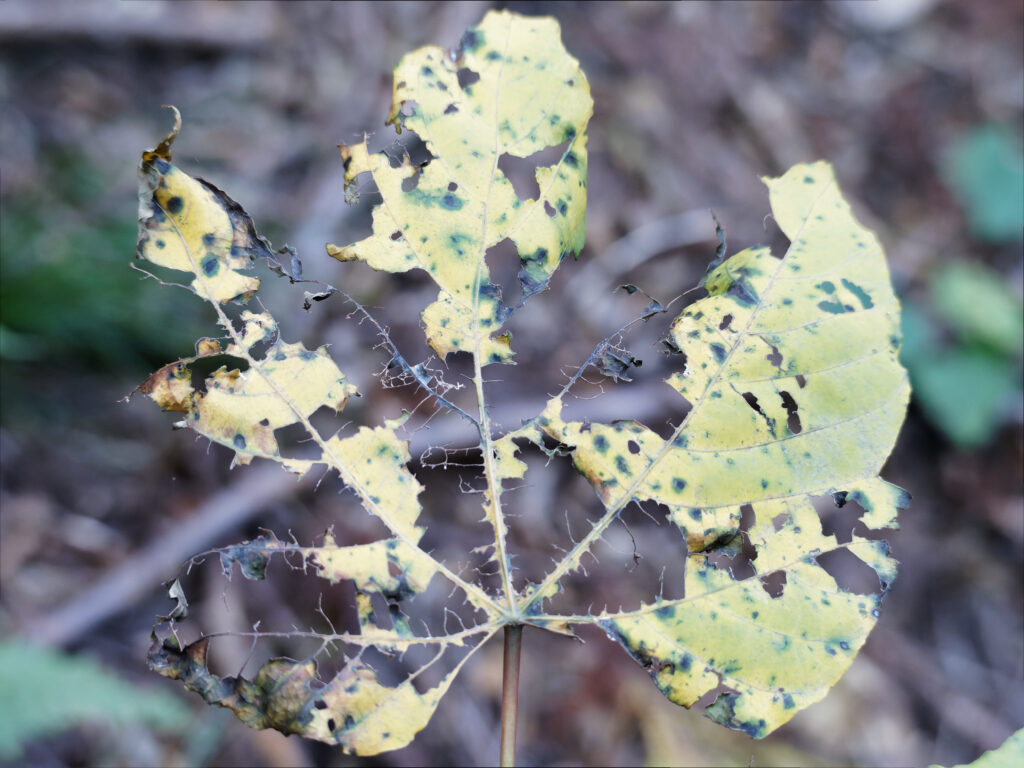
(601, 443)
(742, 291)
(239, 442)
(467, 77)
(175, 204)
(860, 293)
(718, 351)
(471, 40)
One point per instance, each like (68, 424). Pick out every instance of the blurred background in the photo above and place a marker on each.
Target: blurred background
(917, 103)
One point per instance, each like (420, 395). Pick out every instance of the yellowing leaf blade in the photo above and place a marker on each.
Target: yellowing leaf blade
(791, 367)
(443, 217)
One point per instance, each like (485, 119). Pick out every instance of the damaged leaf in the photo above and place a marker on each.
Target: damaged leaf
(530, 96)
(789, 366)
(800, 395)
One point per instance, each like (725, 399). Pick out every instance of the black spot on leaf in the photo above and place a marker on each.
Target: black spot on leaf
(860, 293)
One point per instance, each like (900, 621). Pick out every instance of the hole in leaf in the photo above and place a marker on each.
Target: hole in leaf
(838, 517)
(409, 143)
(452, 186)
(204, 366)
(774, 357)
(451, 109)
(467, 77)
(522, 171)
(396, 235)
(519, 172)
(850, 572)
(751, 400)
(725, 322)
(774, 583)
(503, 264)
(792, 419)
(549, 209)
(734, 550)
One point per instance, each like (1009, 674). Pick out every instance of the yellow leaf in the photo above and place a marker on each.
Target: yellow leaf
(791, 367)
(443, 217)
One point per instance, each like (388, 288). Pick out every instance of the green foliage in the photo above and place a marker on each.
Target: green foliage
(979, 307)
(985, 168)
(967, 384)
(789, 365)
(46, 692)
(59, 271)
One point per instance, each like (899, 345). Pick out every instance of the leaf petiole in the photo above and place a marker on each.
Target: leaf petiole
(510, 693)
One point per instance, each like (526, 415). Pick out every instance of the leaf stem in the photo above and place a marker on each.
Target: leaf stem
(510, 693)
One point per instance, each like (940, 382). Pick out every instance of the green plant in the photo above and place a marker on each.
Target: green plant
(46, 692)
(967, 382)
(789, 364)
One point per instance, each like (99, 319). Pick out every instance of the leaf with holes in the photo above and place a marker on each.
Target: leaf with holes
(529, 95)
(789, 366)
